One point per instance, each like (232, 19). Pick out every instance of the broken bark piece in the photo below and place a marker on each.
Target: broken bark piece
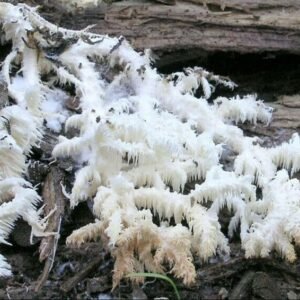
(48, 143)
(292, 101)
(246, 6)
(287, 112)
(222, 270)
(3, 95)
(72, 104)
(68, 285)
(234, 266)
(54, 200)
(265, 287)
(98, 285)
(243, 289)
(285, 120)
(28, 292)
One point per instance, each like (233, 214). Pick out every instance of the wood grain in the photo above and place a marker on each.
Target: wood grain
(242, 26)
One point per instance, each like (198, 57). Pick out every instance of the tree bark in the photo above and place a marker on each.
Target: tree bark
(244, 26)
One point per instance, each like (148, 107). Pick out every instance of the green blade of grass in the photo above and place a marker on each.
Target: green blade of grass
(159, 276)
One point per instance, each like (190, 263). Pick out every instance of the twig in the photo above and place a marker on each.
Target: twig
(117, 45)
(242, 289)
(53, 198)
(49, 263)
(68, 285)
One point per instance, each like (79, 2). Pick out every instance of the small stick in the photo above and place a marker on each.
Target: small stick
(54, 206)
(68, 285)
(49, 263)
(117, 45)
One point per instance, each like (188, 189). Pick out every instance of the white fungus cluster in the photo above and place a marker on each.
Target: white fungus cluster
(142, 136)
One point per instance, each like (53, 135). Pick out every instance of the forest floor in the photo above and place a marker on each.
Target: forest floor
(86, 273)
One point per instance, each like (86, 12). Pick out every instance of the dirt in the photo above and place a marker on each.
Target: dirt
(237, 278)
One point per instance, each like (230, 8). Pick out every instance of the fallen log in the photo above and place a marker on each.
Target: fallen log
(210, 25)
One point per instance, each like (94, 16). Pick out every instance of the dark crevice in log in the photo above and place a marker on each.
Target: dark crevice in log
(268, 75)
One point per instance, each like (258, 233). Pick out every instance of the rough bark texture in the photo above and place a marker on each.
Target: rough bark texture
(285, 122)
(242, 26)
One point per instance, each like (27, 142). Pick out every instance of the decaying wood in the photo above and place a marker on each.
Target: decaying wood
(72, 282)
(54, 200)
(287, 112)
(250, 4)
(3, 95)
(259, 284)
(285, 121)
(242, 26)
(237, 265)
(47, 144)
(28, 292)
(242, 289)
(221, 270)
(262, 25)
(264, 287)
(98, 284)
